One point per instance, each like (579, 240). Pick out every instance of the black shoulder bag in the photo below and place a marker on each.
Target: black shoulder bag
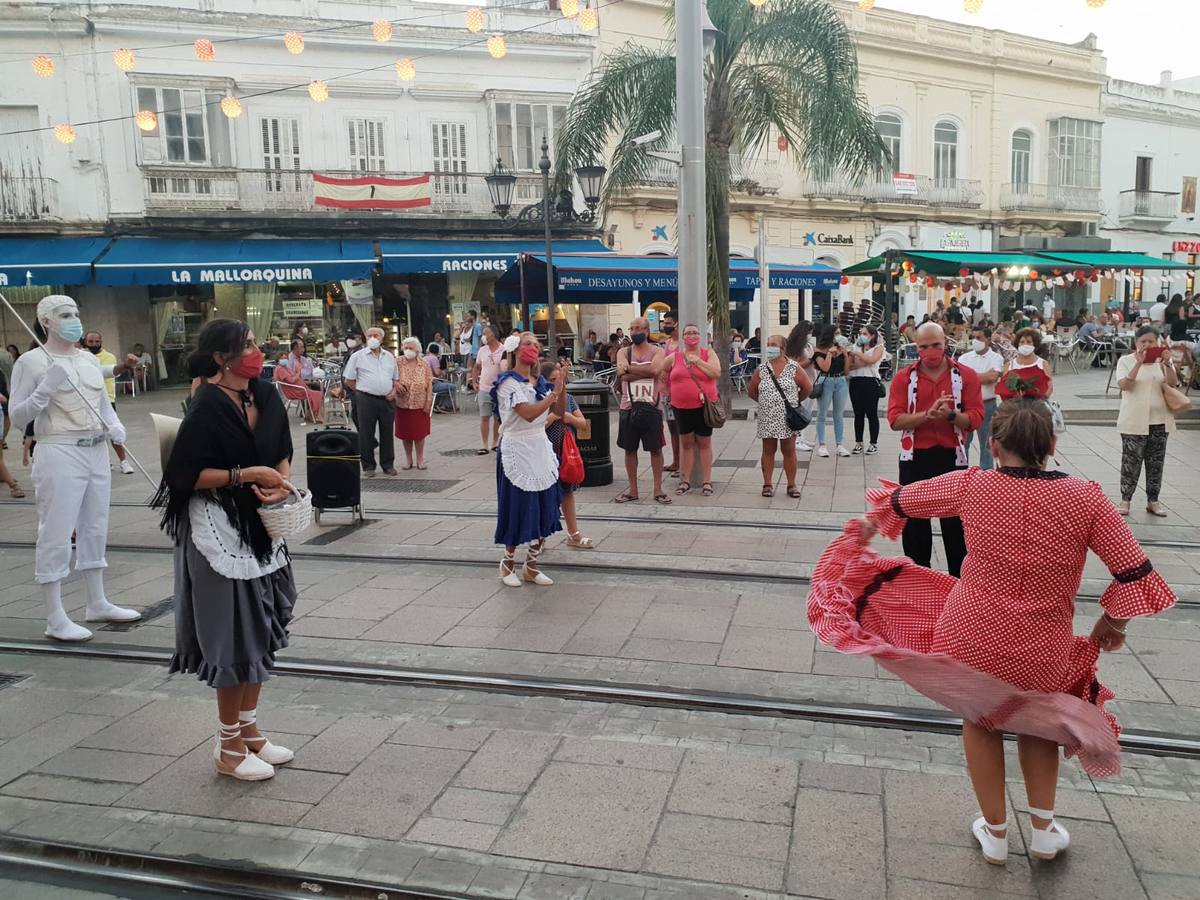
(796, 419)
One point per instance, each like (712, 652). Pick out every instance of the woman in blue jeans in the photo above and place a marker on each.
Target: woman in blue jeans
(830, 360)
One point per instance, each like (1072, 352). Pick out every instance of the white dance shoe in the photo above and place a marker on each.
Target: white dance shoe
(535, 577)
(510, 578)
(260, 746)
(63, 629)
(251, 768)
(995, 849)
(1049, 842)
(108, 612)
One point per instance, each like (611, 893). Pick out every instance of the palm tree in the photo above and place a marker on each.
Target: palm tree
(787, 69)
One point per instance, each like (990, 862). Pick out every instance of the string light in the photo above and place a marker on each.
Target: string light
(496, 46)
(381, 30)
(405, 70)
(474, 20)
(588, 19)
(205, 51)
(972, 6)
(569, 8)
(124, 59)
(1095, 4)
(231, 106)
(866, 4)
(294, 42)
(318, 90)
(146, 120)
(43, 67)
(757, 2)
(64, 133)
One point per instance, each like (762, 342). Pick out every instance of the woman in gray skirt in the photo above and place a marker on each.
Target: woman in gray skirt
(234, 590)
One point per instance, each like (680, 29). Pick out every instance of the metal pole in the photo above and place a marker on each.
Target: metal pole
(692, 222)
(526, 325)
(551, 311)
(889, 303)
(764, 284)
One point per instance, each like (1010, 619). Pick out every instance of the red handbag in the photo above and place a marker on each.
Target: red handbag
(570, 470)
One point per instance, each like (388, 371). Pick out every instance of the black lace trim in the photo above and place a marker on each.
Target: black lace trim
(860, 604)
(1135, 574)
(896, 504)
(1039, 474)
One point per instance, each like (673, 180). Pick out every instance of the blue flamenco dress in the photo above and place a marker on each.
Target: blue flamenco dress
(527, 489)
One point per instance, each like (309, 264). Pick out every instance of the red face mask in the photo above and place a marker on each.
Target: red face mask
(530, 355)
(250, 365)
(931, 357)
(691, 340)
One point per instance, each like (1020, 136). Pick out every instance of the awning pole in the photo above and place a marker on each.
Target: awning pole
(764, 283)
(525, 323)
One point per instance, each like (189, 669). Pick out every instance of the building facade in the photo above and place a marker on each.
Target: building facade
(250, 139)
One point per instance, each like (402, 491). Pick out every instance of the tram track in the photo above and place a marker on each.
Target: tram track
(895, 718)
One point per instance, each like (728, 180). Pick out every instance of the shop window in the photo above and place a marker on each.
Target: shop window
(891, 131)
(945, 152)
(519, 130)
(366, 145)
(190, 127)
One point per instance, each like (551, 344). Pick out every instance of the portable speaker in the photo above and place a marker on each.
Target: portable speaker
(334, 468)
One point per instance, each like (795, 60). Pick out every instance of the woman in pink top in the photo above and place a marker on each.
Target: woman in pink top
(690, 370)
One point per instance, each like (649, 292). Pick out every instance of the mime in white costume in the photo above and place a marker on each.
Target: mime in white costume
(71, 475)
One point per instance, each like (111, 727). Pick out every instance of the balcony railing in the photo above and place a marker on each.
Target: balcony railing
(1155, 206)
(919, 190)
(291, 190)
(25, 197)
(1049, 198)
(747, 174)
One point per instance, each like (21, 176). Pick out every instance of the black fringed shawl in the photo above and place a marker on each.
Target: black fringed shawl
(215, 435)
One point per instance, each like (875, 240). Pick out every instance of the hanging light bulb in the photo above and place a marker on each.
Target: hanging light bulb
(64, 133)
(205, 51)
(866, 4)
(318, 90)
(124, 59)
(474, 20)
(1095, 4)
(146, 120)
(294, 42)
(570, 8)
(231, 106)
(588, 19)
(972, 6)
(43, 67)
(757, 2)
(405, 70)
(381, 30)
(496, 46)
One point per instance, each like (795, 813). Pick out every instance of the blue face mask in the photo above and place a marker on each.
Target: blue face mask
(773, 352)
(70, 330)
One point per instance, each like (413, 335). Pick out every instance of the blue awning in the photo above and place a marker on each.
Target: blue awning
(48, 260)
(138, 260)
(401, 257)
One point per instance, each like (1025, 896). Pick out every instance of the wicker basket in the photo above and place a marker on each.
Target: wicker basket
(289, 517)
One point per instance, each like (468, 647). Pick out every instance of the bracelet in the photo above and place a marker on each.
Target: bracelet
(235, 476)
(1111, 624)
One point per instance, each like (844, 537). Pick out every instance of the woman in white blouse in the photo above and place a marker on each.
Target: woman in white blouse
(526, 467)
(1144, 421)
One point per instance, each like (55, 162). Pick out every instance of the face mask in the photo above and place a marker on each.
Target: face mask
(668, 329)
(70, 330)
(304, 331)
(410, 354)
(250, 365)
(773, 352)
(863, 340)
(639, 338)
(529, 355)
(932, 357)
(373, 343)
(95, 350)
(1025, 349)
(978, 345)
(352, 343)
(691, 340)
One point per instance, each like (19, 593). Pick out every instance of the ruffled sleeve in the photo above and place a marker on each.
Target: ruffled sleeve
(1137, 589)
(892, 505)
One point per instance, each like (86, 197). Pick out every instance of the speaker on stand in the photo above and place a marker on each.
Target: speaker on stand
(335, 471)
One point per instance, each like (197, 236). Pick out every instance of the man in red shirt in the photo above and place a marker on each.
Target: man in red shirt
(934, 403)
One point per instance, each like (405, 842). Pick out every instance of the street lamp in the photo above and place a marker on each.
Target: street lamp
(500, 184)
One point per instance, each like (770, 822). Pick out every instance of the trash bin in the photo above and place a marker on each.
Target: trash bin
(593, 398)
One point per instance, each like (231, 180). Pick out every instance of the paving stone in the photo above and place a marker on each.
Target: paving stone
(730, 786)
(390, 866)
(314, 626)
(334, 861)
(136, 837)
(166, 727)
(448, 736)
(106, 765)
(366, 603)
(508, 761)
(415, 625)
(344, 744)
(497, 881)
(855, 779)
(671, 650)
(1159, 834)
(938, 808)
(257, 851)
(961, 866)
(610, 891)
(722, 850)
(386, 794)
(485, 807)
(776, 650)
(61, 787)
(1096, 865)
(1170, 887)
(587, 815)
(619, 753)
(66, 827)
(837, 846)
(706, 624)
(911, 889)
(1068, 804)
(760, 611)
(443, 874)
(24, 710)
(554, 887)
(35, 746)
(453, 833)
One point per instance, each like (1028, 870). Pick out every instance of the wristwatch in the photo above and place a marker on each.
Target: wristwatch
(951, 416)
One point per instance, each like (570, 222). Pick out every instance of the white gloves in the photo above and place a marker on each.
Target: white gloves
(116, 433)
(56, 375)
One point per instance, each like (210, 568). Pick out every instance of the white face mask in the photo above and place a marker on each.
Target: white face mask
(351, 342)
(978, 345)
(373, 343)
(1025, 350)
(410, 353)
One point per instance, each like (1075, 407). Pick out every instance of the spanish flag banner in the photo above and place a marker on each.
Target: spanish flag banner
(371, 192)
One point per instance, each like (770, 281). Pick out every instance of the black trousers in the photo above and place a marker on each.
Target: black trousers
(864, 397)
(918, 533)
(375, 413)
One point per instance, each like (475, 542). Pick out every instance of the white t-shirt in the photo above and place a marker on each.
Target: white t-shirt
(1048, 309)
(1158, 312)
(988, 361)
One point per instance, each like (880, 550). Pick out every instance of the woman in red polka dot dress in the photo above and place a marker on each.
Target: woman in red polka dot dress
(996, 646)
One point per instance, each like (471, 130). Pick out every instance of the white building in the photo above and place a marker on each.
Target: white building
(1150, 169)
(196, 172)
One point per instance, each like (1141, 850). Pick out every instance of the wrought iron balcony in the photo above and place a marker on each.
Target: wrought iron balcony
(1149, 207)
(747, 174)
(27, 197)
(1027, 197)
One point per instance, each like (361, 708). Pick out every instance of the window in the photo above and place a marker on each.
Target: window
(891, 130)
(519, 130)
(1075, 153)
(366, 145)
(281, 154)
(449, 155)
(945, 152)
(1022, 157)
(1141, 174)
(191, 129)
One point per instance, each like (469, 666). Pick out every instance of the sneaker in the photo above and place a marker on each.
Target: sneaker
(804, 446)
(858, 448)
(822, 451)
(1047, 843)
(126, 467)
(1157, 509)
(871, 448)
(368, 473)
(842, 451)
(1123, 507)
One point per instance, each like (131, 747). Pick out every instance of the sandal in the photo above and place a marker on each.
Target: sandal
(793, 492)
(626, 497)
(14, 490)
(663, 499)
(674, 467)
(683, 488)
(482, 451)
(578, 541)
(706, 489)
(768, 491)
